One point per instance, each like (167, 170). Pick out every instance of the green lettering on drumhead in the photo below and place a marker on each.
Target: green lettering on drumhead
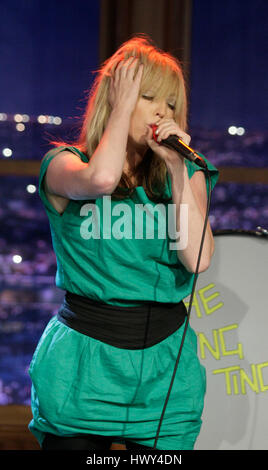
(259, 370)
(204, 342)
(205, 300)
(238, 351)
(252, 382)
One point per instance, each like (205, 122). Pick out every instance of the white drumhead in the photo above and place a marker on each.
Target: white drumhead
(230, 316)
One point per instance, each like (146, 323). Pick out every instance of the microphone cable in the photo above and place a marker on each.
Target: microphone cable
(204, 166)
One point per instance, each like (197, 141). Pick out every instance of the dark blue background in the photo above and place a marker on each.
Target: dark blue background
(49, 50)
(229, 64)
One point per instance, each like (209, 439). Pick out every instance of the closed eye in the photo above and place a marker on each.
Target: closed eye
(150, 98)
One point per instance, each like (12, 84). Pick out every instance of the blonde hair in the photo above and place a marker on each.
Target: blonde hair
(163, 75)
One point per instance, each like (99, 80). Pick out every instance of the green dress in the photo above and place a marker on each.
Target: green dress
(83, 385)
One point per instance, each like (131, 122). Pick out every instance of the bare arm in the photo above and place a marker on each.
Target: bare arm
(192, 192)
(69, 177)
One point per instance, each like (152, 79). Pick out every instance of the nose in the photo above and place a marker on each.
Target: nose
(161, 108)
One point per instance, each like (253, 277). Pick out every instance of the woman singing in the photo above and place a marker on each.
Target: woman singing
(102, 368)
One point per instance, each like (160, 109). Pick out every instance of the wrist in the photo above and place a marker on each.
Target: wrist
(120, 111)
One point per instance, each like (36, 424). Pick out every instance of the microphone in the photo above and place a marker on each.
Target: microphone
(175, 143)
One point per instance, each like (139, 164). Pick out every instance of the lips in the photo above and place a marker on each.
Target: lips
(154, 128)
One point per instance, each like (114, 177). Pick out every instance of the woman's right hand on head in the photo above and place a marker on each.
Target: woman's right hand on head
(124, 88)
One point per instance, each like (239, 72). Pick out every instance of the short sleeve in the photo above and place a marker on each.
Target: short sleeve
(213, 171)
(43, 168)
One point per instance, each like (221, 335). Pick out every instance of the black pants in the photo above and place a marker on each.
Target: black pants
(85, 442)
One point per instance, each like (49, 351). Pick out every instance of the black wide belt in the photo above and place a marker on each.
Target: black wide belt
(124, 327)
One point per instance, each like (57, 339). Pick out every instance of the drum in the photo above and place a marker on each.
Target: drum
(230, 317)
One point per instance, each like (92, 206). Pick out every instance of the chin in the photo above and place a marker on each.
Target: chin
(138, 142)
(142, 140)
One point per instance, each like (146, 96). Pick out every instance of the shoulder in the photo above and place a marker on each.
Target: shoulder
(60, 152)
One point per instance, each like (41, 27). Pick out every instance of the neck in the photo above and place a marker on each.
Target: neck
(134, 156)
